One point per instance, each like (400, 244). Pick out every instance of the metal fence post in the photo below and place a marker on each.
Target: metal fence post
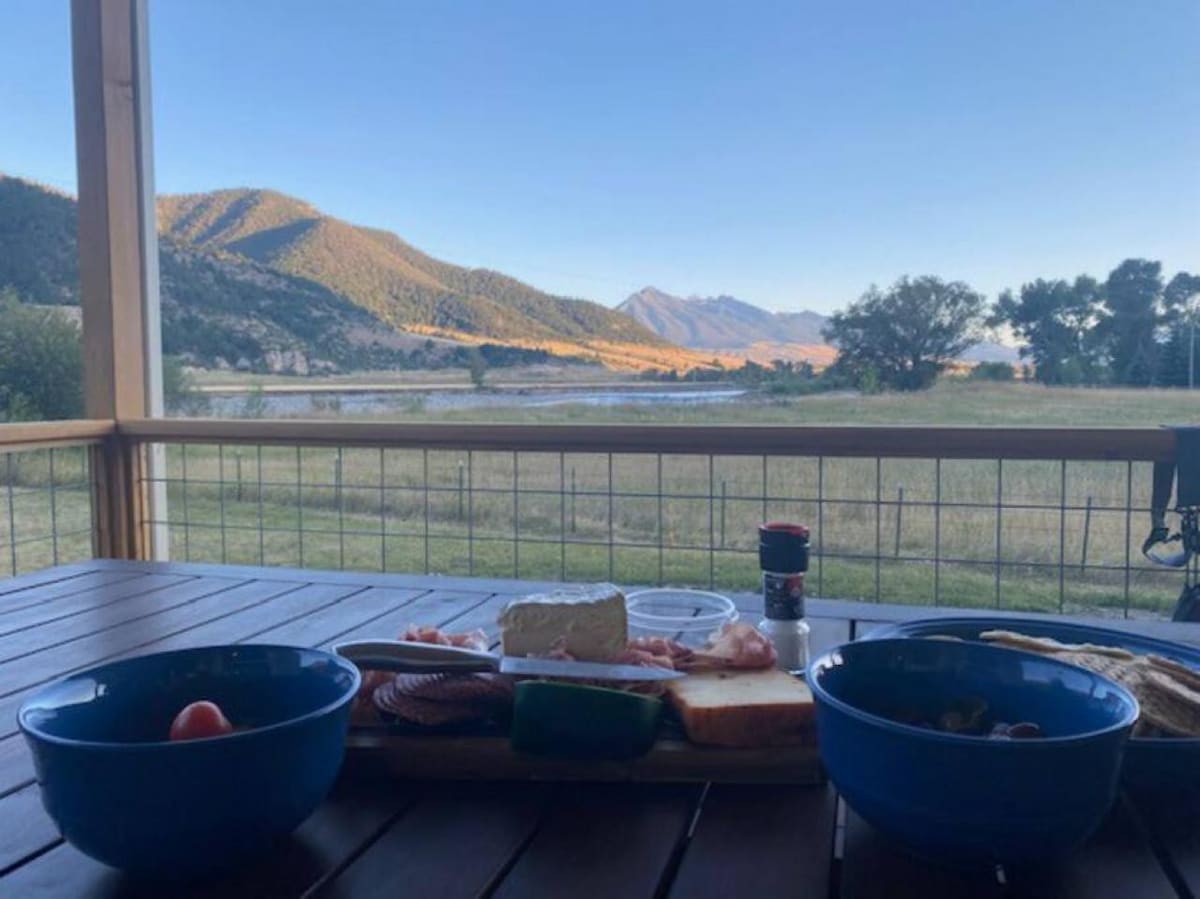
(572, 499)
(337, 478)
(1087, 526)
(723, 514)
(899, 517)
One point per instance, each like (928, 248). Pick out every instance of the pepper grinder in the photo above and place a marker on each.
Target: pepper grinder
(783, 557)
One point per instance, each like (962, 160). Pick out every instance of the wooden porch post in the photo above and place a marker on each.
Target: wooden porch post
(118, 262)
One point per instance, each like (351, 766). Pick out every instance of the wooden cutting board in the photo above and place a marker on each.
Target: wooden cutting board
(475, 757)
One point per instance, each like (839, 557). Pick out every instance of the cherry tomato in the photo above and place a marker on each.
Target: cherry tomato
(200, 719)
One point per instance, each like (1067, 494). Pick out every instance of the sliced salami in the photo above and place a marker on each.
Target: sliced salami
(455, 687)
(423, 711)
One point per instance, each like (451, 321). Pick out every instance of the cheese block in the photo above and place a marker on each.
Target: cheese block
(588, 623)
(744, 708)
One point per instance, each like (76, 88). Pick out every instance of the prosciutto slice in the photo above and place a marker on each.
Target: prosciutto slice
(735, 645)
(421, 633)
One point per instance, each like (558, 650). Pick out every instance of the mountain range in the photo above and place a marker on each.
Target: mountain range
(216, 311)
(260, 281)
(734, 327)
(381, 273)
(257, 280)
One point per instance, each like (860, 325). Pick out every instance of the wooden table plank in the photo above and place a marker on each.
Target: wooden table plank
(353, 815)
(144, 596)
(395, 580)
(244, 624)
(16, 764)
(456, 841)
(90, 600)
(483, 616)
(1173, 825)
(47, 663)
(43, 577)
(436, 607)
(352, 610)
(759, 841)
(603, 841)
(25, 828)
(249, 623)
(21, 674)
(873, 867)
(1116, 863)
(18, 599)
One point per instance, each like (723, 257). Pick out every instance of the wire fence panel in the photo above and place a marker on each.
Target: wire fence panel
(1011, 534)
(45, 508)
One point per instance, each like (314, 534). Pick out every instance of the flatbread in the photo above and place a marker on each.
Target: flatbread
(1167, 691)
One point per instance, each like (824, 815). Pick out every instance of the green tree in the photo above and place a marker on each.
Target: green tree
(477, 367)
(1133, 294)
(1181, 310)
(41, 363)
(1058, 322)
(907, 334)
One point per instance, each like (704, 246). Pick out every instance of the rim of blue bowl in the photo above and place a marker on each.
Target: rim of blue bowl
(818, 689)
(348, 696)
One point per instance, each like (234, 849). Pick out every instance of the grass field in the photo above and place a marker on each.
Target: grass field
(1010, 536)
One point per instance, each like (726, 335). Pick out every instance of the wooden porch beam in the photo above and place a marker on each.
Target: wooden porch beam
(118, 255)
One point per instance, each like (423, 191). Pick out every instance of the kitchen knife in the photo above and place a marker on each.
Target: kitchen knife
(430, 658)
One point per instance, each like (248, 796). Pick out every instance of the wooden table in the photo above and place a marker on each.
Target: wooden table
(386, 837)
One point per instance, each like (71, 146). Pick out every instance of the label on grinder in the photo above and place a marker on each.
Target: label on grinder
(783, 595)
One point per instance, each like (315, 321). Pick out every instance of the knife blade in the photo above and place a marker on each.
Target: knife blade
(584, 670)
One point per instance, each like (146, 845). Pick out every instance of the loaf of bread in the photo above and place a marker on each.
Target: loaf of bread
(743, 708)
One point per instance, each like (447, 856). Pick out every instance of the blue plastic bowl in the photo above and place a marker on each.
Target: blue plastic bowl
(968, 800)
(121, 793)
(1156, 769)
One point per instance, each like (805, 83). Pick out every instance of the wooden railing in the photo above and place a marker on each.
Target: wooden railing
(49, 491)
(1096, 444)
(1047, 517)
(25, 436)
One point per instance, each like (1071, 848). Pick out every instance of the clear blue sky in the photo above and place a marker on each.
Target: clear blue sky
(789, 154)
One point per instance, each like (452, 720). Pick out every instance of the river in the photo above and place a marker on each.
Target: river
(370, 402)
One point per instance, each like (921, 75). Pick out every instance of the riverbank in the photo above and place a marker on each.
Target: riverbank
(526, 386)
(210, 381)
(951, 402)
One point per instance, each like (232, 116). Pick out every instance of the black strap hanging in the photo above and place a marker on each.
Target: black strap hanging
(1180, 550)
(1182, 473)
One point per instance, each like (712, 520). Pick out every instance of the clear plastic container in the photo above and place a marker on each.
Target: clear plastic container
(689, 616)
